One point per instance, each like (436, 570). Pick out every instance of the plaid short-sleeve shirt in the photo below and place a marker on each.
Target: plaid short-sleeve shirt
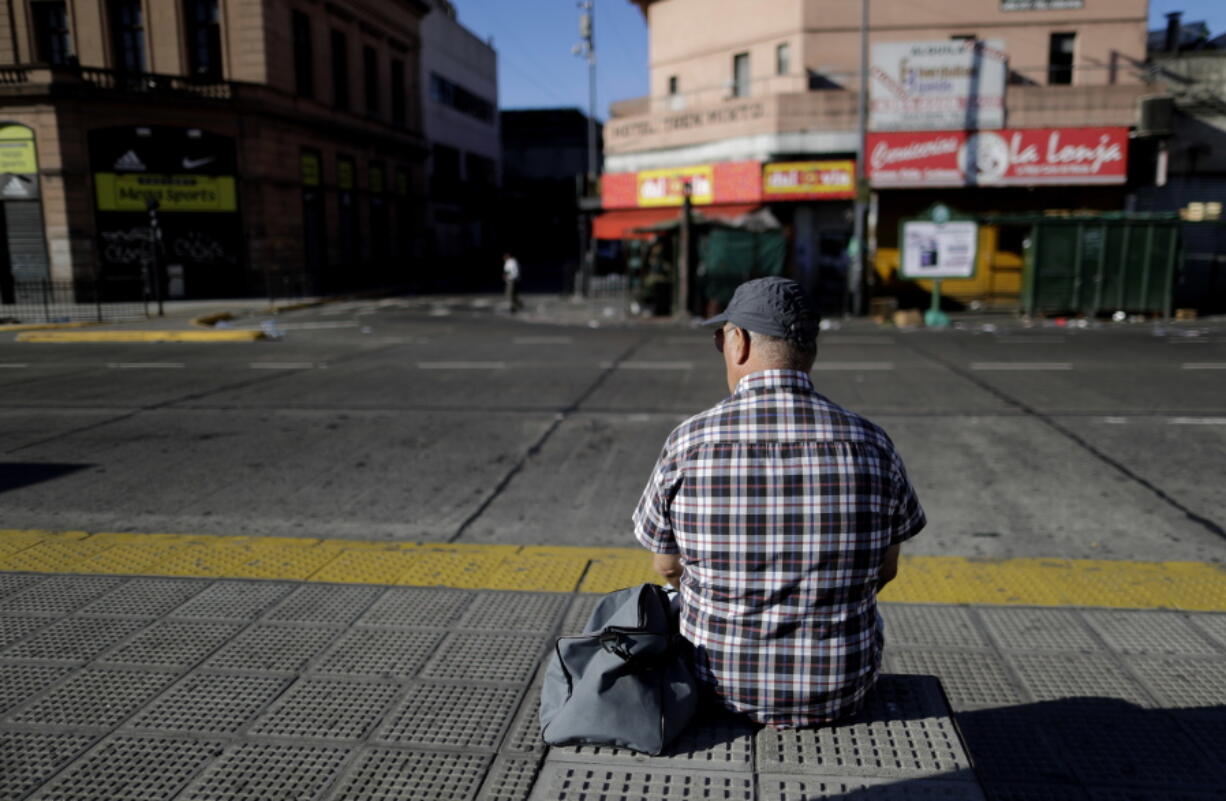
(782, 505)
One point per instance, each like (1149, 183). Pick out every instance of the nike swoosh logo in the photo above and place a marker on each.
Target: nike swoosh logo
(191, 164)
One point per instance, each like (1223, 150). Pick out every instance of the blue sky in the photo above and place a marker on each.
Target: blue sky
(537, 69)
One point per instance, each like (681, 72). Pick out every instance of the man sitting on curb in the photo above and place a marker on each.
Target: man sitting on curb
(779, 515)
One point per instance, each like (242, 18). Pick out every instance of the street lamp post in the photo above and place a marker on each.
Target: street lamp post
(587, 49)
(856, 267)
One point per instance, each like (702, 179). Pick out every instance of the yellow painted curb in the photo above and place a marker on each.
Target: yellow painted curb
(43, 326)
(1190, 586)
(140, 336)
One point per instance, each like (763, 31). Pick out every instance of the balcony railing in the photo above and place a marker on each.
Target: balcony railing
(156, 84)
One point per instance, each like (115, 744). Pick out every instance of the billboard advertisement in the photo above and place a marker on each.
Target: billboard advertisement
(950, 84)
(939, 250)
(809, 180)
(725, 182)
(1020, 157)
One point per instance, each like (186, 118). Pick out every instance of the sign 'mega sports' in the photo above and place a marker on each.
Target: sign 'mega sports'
(1009, 157)
(173, 193)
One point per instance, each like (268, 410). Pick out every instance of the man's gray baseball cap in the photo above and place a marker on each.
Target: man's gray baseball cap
(773, 306)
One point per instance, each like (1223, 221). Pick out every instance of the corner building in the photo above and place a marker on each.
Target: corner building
(756, 103)
(280, 139)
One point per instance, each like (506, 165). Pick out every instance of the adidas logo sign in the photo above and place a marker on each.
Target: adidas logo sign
(129, 161)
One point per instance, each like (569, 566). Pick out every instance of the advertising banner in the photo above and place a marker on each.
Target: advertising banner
(809, 180)
(1020, 157)
(173, 193)
(939, 250)
(17, 154)
(726, 182)
(948, 84)
(667, 187)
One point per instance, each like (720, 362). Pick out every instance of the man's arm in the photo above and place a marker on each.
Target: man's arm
(668, 565)
(889, 567)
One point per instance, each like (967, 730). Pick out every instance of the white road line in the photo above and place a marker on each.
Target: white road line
(656, 366)
(1030, 340)
(282, 365)
(1203, 365)
(146, 365)
(1115, 420)
(542, 340)
(12, 366)
(1022, 366)
(461, 365)
(1197, 421)
(853, 365)
(320, 324)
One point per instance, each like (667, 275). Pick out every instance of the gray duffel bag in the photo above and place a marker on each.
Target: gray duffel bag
(624, 681)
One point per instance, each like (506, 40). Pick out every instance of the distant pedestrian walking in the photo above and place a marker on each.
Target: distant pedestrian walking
(510, 276)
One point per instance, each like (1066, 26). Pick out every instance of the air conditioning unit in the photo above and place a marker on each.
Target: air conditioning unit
(1156, 115)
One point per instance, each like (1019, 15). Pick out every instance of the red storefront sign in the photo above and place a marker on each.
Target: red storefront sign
(727, 182)
(1009, 157)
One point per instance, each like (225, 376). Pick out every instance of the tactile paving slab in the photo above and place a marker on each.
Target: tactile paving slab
(580, 610)
(897, 749)
(715, 742)
(524, 736)
(234, 600)
(268, 772)
(73, 639)
(337, 604)
(130, 769)
(59, 595)
(454, 715)
(1050, 677)
(15, 582)
(931, 626)
(972, 679)
(811, 788)
(145, 597)
(13, 627)
(416, 607)
(1148, 633)
(93, 698)
(571, 781)
(379, 652)
(173, 643)
(1130, 748)
(514, 611)
(386, 774)
(29, 758)
(485, 656)
(1014, 744)
(1038, 630)
(326, 709)
(1132, 794)
(510, 779)
(206, 703)
(272, 649)
(20, 682)
(1042, 792)
(1213, 625)
(1183, 683)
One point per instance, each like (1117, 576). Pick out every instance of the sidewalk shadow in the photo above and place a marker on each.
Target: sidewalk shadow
(14, 475)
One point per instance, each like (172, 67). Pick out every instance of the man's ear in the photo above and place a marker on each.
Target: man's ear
(741, 354)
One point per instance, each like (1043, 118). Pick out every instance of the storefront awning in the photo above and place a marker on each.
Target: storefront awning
(622, 224)
(630, 223)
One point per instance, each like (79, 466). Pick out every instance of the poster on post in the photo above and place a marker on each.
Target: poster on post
(939, 250)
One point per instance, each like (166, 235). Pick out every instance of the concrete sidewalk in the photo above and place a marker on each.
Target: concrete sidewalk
(120, 687)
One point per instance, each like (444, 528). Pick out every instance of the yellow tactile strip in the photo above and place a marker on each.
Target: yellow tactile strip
(1193, 586)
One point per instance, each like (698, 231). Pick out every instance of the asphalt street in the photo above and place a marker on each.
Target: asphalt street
(397, 420)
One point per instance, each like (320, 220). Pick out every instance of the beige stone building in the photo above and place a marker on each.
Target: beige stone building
(280, 139)
(775, 83)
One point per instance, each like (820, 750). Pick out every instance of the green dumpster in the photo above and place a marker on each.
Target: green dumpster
(1094, 265)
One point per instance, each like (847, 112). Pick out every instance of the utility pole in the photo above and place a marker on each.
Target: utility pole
(857, 265)
(587, 49)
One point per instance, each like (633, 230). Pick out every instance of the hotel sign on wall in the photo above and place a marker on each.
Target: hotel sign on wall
(1041, 5)
(809, 180)
(937, 85)
(1020, 157)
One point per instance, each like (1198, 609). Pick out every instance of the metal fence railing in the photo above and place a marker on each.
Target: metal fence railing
(47, 301)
